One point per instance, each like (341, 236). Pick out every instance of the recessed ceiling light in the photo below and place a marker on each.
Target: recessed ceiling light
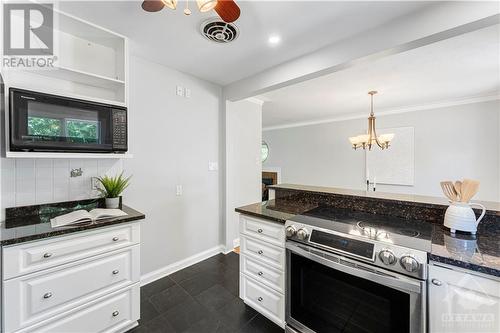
(274, 40)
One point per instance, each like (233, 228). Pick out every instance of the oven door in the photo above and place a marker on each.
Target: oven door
(41, 122)
(327, 293)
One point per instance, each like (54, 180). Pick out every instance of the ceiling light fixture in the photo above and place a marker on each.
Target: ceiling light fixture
(172, 4)
(227, 10)
(206, 5)
(274, 39)
(370, 138)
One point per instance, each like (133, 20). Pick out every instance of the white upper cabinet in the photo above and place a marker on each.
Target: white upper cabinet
(91, 64)
(461, 302)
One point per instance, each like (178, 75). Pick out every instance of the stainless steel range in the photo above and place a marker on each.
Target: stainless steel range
(355, 272)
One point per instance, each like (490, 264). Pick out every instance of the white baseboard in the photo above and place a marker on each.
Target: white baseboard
(236, 242)
(176, 266)
(229, 249)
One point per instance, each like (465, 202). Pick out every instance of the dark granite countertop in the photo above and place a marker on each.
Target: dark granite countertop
(480, 253)
(493, 208)
(19, 229)
(271, 211)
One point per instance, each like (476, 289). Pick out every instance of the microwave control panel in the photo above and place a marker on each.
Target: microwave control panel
(119, 130)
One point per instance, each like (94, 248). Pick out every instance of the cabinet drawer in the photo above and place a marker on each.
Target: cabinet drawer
(263, 252)
(265, 300)
(271, 277)
(107, 314)
(35, 256)
(35, 297)
(268, 231)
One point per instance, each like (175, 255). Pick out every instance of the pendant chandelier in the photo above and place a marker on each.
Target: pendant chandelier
(370, 138)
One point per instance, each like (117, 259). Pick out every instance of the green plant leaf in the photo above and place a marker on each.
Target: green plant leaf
(112, 187)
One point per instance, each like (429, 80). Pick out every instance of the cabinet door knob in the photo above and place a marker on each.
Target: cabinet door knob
(260, 252)
(116, 272)
(116, 313)
(436, 282)
(260, 231)
(47, 295)
(115, 239)
(260, 299)
(47, 255)
(260, 273)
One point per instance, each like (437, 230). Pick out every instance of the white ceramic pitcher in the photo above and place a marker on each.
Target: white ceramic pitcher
(460, 216)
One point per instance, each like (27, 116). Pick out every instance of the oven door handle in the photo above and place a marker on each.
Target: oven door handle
(392, 280)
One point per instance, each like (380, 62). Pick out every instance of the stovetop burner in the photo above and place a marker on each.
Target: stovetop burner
(375, 232)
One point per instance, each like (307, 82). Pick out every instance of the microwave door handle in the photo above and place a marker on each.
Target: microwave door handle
(393, 281)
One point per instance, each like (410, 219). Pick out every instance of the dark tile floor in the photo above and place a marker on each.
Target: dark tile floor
(200, 298)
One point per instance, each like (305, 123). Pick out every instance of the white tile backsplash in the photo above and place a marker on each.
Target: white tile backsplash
(31, 182)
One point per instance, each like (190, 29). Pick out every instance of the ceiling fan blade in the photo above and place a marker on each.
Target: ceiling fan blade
(152, 5)
(228, 10)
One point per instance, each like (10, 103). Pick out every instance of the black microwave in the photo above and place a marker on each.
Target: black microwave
(49, 123)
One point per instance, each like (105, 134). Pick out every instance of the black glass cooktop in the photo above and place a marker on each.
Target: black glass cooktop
(405, 232)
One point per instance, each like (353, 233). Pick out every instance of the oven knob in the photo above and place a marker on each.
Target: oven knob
(290, 231)
(409, 263)
(387, 257)
(302, 234)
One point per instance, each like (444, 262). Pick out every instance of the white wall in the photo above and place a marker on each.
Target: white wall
(243, 161)
(173, 139)
(450, 143)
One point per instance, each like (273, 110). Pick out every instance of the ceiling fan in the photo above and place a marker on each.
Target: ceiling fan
(228, 10)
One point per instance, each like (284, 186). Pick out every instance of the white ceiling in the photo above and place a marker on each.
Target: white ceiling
(170, 38)
(459, 68)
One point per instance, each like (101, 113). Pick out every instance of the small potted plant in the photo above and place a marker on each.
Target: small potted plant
(112, 187)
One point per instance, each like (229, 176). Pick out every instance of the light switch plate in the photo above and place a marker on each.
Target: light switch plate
(178, 190)
(180, 91)
(187, 93)
(213, 166)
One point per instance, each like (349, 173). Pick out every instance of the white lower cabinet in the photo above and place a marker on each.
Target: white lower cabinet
(262, 267)
(97, 293)
(460, 302)
(116, 312)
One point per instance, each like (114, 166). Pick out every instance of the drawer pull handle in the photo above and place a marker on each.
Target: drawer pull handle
(260, 299)
(260, 273)
(47, 255)
(260, 252)
(115, 239)
(116, 272)
(436, 282)
(47, 295)
(260, 231)
(116, 313)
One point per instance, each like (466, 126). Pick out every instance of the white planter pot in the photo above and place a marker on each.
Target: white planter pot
(113, 202)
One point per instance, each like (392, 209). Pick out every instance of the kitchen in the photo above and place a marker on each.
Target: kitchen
(351, 240)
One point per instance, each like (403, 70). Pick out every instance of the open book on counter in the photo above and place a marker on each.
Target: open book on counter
(81, 216)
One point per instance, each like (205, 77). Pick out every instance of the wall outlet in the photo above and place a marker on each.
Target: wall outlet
(178, 190)
(187, 93)
(180, 91)
(94, 184)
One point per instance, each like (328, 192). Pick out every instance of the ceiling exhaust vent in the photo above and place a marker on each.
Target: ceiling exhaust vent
(219, 31)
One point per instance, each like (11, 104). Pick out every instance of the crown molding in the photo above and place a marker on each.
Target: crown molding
(387, 112)
(255, 100)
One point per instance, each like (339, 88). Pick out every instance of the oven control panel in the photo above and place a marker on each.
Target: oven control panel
(380, 253)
